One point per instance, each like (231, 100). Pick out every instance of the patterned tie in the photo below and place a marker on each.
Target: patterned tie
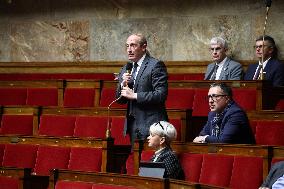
(213, 76)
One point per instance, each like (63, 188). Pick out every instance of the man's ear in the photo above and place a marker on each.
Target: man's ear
(144, 46)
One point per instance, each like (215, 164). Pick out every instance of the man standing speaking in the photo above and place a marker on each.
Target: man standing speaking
(144, 88)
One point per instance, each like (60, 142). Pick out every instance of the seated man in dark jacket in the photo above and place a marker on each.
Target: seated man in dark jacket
(227, 122)
(272, 67)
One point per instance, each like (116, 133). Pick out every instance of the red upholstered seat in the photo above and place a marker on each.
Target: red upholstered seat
(17, 124)
(2, 147)
(85, 159)
(216, 170)
(20, 155)
(57, 125)
(130, 164)
(107, 96)
(179, 98)
(106, 186)
(117, 126)
(246, 98)
(270, 132)
(194, 76)
(72, 185)
(147, 155)
(253, 124)
(42, 96)
(9, 183)
(247, 172)
(90, 126)
(191, 164)
(51, 157)
(13, 96)
(79, 97)
(177, 124)
(200, 103)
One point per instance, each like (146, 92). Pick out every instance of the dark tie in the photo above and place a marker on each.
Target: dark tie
(131, 85)
(257, 73)
(213, 76)
(133, 75)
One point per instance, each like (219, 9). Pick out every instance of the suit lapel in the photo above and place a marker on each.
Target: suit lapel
(268, 65)
(225, 67)
(141, 70)
(210, 71)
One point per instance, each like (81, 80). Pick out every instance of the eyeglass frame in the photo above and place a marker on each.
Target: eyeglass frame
(215, 97)
(261, 46)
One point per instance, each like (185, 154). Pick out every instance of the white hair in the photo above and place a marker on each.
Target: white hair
(219, 40)
(164, 129)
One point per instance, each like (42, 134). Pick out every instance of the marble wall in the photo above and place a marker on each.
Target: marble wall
(95, 30)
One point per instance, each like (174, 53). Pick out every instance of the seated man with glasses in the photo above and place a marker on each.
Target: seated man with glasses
(223, 68)
(227, 122)
(161, 135)
(272, 68)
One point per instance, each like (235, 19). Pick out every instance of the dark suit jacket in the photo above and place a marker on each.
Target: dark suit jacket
(172, 165)
(151, 86)
(276, 171)
(234, 127)
(232, 70)
(274, 72)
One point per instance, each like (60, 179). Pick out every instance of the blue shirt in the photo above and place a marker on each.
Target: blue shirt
(279, 184)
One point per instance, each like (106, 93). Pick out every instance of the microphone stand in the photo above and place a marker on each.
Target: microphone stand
(108, 131)
(262, 77)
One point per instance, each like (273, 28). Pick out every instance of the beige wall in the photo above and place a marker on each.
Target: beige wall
(93, 30)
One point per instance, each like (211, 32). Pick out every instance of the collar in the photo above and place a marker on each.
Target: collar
(264, 63)
(158, 152)
(222, 62)
(140, 61)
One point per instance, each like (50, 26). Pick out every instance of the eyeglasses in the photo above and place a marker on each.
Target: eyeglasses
(260, 46)
(217, 49)
(215, 97)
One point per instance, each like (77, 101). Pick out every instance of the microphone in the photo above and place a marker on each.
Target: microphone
(128, 68)
(268, 3)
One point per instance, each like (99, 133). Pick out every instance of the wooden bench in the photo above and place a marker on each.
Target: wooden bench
(240, 152)
(105, 179)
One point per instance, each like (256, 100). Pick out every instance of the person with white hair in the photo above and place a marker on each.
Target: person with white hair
(161, 135)
(223, 67)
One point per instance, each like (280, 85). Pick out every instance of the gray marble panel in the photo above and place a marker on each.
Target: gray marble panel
(5, 42)
(193, 34)
(50, 41)
(108, 37)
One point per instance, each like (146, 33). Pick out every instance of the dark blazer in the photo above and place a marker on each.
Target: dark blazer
(274, 72)
(151, 86)
(232, 70)
(276, 171)
(234, 127)
(173, 168)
